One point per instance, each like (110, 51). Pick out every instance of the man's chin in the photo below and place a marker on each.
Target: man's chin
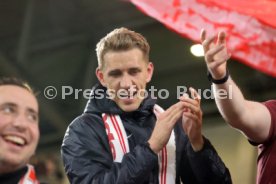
(12, 163)
(129, 107)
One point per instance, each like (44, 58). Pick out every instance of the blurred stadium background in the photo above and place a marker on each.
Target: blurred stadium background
(52, 43)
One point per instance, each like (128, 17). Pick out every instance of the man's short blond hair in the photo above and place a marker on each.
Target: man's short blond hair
(121, 39)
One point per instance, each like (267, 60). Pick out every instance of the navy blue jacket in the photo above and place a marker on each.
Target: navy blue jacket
(88, 159)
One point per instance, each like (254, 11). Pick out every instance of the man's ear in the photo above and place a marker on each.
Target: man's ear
(150, 69)
(100, 76)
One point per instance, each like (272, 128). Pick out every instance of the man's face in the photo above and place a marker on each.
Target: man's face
(125, 74)
(19, 132)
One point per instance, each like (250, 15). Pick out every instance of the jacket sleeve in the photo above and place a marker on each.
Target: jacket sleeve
(87, 157)
(207, 166)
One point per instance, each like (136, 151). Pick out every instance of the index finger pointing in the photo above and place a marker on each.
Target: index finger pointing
(202, 35)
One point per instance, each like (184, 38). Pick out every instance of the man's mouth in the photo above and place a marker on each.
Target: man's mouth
(19, 141)
(127, 96)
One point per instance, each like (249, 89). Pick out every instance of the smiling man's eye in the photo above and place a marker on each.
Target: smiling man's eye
(134, 71)
(33, 117)
(7, 109)
(115, 73)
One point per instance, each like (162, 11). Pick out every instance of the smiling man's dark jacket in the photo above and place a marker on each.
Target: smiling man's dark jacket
(87, 157)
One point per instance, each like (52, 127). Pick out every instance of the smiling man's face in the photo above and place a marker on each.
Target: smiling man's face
(19, 132)
(126, 73)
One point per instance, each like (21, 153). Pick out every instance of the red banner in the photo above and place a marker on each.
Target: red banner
(263, 10)
(249, 39)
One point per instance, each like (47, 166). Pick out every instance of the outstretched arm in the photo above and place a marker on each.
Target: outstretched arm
(252, 118)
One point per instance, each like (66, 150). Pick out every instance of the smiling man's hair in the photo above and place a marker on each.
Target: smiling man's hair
(121, 39)
(16, 82)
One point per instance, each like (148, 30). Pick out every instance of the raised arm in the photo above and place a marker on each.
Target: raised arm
(252, 118)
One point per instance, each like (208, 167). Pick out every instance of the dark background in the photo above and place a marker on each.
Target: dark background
(52, 43)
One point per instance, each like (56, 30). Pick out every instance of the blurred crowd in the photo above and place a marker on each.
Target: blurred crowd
(49, 169)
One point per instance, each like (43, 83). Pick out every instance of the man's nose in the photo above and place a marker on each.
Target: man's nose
(20, 122)
(125, 82)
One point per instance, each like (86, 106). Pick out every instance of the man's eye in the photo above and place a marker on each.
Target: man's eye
(8, 110)
(134, 71)
(33, 117)
(115, 74)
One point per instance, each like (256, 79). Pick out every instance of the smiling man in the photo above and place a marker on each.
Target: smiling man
(125, 73)
(19, 132)
(124, 137)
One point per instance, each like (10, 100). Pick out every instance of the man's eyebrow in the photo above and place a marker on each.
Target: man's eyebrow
(31, 110)
(10, 104)
(135, 69)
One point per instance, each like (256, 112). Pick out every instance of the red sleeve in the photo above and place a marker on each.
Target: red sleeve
(271, 105)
